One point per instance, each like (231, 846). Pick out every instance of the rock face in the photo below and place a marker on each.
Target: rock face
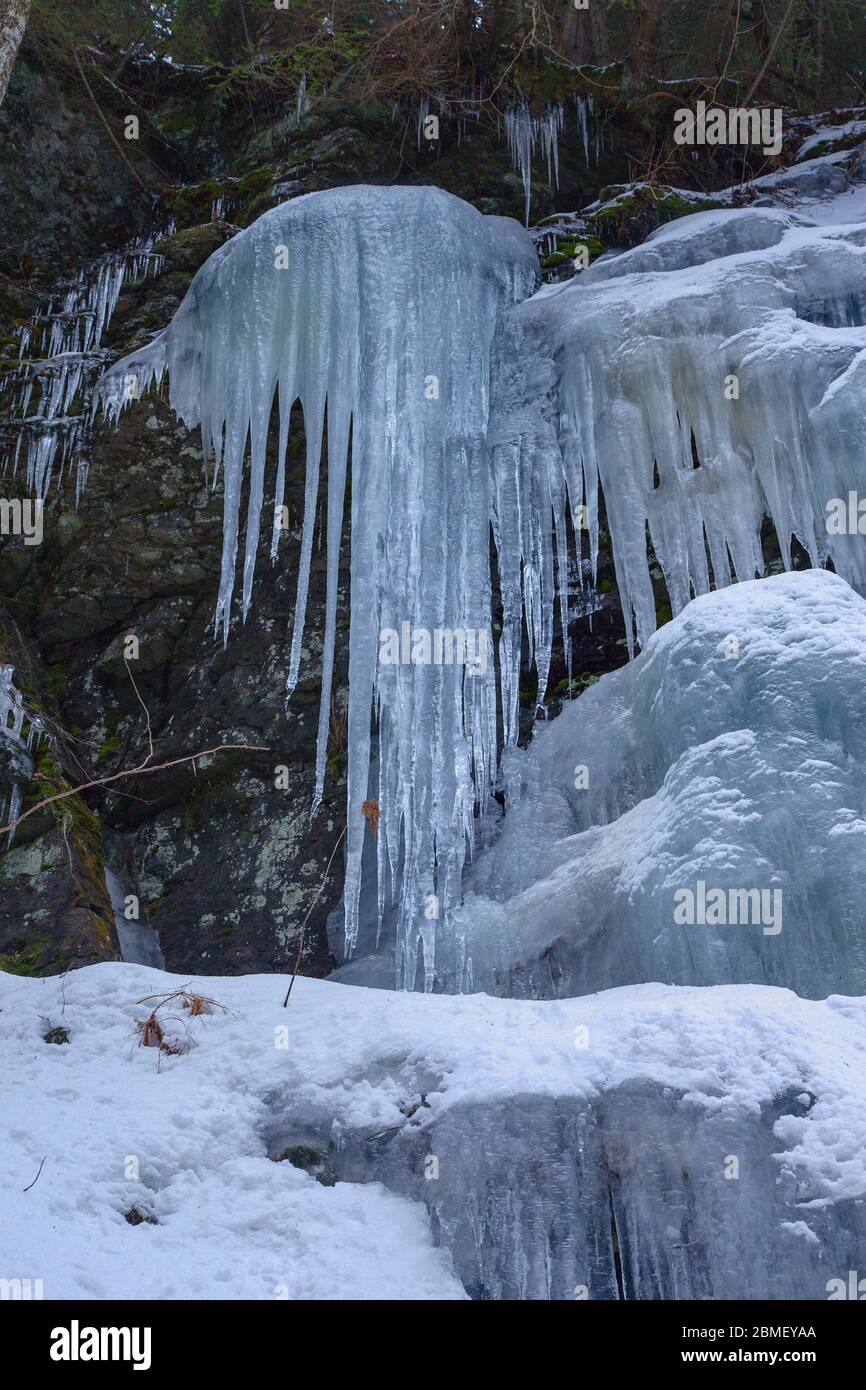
(66, 193)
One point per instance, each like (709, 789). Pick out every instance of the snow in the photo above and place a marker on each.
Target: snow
(829, 134)
(498, 1091)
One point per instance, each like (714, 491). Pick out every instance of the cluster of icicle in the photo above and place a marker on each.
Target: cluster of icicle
(20, 733)
(527, 133)
(707, 379)
(382, 306)
(61, 358)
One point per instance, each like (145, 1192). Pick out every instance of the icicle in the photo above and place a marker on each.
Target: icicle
(302, 104)
(524, 132)
(383, 305)
(70, 326)
(423, 113)
(718, 353)
(20, 734)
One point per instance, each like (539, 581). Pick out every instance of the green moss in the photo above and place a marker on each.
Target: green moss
(27, 960)
(577, 684)
(663, 614)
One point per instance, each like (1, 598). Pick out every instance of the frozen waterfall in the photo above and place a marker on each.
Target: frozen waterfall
(697, 817)
(705, 380)
(380, 305)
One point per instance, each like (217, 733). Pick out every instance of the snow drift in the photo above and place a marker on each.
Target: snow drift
(643, 1143)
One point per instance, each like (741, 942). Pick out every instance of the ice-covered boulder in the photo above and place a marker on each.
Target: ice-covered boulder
(694, 818)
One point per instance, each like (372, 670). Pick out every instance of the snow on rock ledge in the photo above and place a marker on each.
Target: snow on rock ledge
(555, 1128)
(731, 753)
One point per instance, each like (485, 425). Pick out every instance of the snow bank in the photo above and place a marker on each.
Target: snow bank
(533, 1134)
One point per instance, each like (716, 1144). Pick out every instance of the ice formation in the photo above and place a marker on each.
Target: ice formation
(526, 133)
(381, 304)
(729, 754)
(20, 733)
(710, 377)
(61, 358)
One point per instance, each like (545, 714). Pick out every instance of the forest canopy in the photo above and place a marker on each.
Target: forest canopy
(805, 53)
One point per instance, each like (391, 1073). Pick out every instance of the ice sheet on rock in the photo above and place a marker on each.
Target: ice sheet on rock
(731, 753)
(710, 377)
(558, 1128)
(385, 313)
(61, 359)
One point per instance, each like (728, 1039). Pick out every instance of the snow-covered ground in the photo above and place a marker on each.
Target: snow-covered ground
(486, 1113)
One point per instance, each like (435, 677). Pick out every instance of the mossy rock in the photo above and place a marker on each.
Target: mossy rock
(628, 213)
(29, 960)
(188, 250)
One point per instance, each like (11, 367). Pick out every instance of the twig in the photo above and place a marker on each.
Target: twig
(101, 115)
(309, 911)
(146, 712)
(132, 772)
(36, 1179)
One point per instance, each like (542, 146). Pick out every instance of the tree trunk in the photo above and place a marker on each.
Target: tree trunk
(647, 29)
(573, 33)
(13, 21)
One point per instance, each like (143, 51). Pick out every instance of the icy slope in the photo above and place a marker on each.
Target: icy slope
(534, 1134)
(380, 304)
(731, 753)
